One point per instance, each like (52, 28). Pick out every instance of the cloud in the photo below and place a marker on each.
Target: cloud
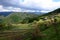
(9, 9)
(40, 4)
(13, 9)
(29, 5)
(2, 9)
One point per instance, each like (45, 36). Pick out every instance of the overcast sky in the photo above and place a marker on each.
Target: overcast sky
(29, 5)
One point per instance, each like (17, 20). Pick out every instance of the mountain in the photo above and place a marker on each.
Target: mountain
(42, 29)
(5, 13)
(54, 12)
(38, 13)
(18, 17)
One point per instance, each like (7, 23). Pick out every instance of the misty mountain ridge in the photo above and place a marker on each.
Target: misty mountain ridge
(7, 13)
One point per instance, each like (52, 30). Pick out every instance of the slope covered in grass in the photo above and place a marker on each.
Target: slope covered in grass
(22, 17)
